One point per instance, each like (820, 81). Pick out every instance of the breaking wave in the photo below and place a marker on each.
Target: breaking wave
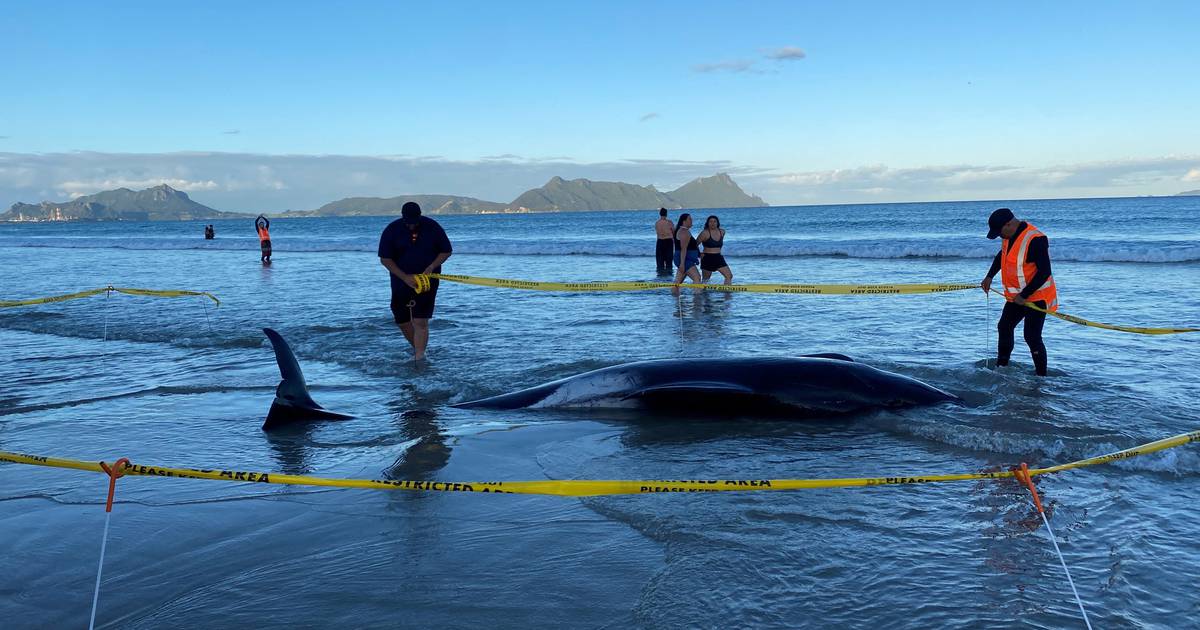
(1067, 249)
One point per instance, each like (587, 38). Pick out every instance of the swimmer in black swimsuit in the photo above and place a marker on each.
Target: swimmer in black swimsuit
(687, 253)
(712, 237)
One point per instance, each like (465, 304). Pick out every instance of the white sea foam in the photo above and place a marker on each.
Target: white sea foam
(1081, 250)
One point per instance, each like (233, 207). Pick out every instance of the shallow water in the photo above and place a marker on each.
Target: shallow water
(180, 383)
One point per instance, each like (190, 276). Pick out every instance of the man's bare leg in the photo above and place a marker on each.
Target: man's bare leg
(407, 329)
(420, 337)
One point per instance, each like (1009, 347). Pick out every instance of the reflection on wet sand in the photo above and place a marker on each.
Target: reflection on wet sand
(428, 455)
(291, 445)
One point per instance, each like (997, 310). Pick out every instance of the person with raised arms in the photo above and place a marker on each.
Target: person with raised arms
(262, 225)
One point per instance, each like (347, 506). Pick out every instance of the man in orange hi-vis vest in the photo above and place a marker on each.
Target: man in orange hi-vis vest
(1024, 265)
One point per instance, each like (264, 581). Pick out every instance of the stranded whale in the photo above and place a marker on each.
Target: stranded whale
(292, 402)
(813, 385)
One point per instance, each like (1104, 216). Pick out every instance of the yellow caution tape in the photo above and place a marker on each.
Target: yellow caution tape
(1129, 329)
(56, 298)
(422, 281)
(109, 289)
(585, 487)
(811, 289)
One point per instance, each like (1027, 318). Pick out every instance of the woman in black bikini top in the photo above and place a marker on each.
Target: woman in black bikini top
(713, 238)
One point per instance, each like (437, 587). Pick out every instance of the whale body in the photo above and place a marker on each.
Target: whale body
(813, 385)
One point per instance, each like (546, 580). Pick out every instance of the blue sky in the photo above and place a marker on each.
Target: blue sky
(801, 102)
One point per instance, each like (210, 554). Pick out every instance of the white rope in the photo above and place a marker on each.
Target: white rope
(106, 294)
(1079, 601)
(99, 570)
(204, 303)
(989, 329)
(679, 301)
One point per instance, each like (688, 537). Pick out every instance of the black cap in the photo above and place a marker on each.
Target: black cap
(998, 219)
(411, 212)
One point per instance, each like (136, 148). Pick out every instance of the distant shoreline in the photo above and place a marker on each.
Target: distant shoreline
(286, 215)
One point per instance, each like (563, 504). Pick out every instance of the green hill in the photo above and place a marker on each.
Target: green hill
(377, 206)
(718, 191)
(160, 203)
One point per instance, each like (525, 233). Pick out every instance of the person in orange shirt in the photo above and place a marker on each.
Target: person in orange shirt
(261, 225)
(1024, 265)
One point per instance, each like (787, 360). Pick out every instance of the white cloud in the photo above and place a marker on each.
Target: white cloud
(272, 183)
(257, 182)
(964, 181)
(786, 53)
(79, 188)
(734, 65)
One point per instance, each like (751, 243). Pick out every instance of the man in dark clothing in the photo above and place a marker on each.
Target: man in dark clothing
(411, 245)
(1024, 260)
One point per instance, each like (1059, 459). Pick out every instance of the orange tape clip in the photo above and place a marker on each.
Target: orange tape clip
(116, 472)
(1023, 475)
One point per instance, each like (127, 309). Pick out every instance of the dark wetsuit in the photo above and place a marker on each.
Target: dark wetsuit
(412, 252)
(1038, 254)
(692, 257)
(712, 262)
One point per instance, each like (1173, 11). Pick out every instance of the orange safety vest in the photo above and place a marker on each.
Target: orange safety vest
(1015, 273)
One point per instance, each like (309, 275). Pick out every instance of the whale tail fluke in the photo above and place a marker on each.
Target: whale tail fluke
(292, 401)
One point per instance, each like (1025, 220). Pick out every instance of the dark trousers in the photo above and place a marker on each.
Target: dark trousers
(1034, 320)
(663, 252)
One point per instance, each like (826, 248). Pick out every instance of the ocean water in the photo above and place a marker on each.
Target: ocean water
(177, 382)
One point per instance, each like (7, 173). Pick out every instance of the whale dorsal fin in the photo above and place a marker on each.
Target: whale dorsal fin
(292, 402)
(292, 389)
(829, 355)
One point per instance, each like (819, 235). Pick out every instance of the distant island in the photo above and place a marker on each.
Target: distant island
(558, 195)
(163, 203)
(160, 203)
(1188, 193)
(377, 206)
(718, 191)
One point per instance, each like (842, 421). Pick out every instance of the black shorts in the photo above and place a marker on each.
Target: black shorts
(664, 250)
(265, 245)
(712, 262)
(407, 304)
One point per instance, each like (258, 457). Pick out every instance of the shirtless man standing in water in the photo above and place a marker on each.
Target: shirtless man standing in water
(665, 249)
